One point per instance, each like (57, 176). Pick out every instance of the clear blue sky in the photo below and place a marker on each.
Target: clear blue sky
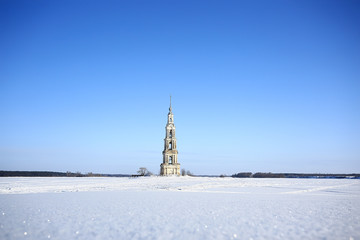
(257, 85)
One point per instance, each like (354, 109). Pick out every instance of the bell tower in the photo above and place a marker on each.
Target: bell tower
(170, 165)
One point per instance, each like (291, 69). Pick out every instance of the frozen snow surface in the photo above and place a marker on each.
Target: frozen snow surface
(179, 208)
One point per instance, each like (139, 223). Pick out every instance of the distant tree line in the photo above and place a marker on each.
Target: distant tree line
(144, 172)
(55, 174)
(185, 172)
(293, 175)
(31, 174)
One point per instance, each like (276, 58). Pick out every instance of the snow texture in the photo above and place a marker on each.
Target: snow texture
(179, 208)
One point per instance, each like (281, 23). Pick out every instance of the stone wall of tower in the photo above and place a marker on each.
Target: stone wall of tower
(170, 165)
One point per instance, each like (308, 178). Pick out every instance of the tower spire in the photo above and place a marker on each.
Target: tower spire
(170, 104)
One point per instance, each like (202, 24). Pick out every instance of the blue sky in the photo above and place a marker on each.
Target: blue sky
(256, 85)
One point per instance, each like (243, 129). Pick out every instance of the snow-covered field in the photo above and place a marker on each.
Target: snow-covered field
(179, 208)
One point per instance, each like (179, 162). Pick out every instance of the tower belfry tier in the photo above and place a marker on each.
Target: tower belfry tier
(170, 165)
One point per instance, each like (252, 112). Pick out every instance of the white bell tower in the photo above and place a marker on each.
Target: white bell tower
(170, 165)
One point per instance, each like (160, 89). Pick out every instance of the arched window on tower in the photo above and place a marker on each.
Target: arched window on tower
(170, 159)
(170, 133)
(170, 145)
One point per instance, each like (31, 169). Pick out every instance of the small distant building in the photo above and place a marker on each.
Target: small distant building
(170, 165)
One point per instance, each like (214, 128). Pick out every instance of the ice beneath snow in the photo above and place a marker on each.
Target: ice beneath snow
(179, 208)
